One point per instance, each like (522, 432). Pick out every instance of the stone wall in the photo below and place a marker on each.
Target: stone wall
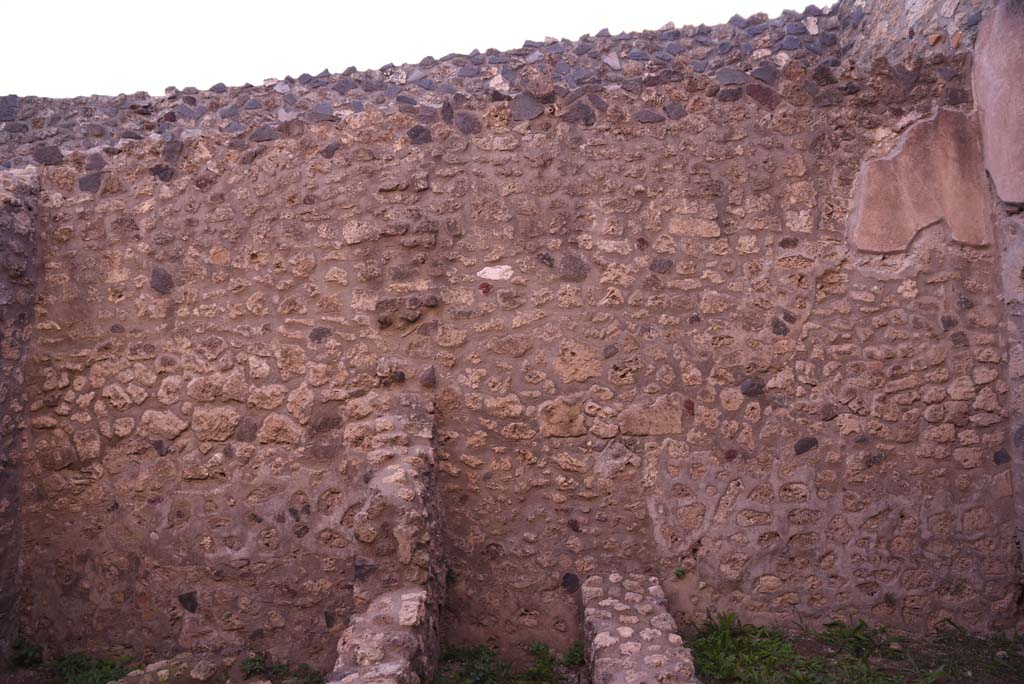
(628, 634)
(19, 214)
(615, 288)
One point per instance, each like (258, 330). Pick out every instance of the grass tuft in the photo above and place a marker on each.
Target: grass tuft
(78, 668)
(575, 656)
(726, 651)
(25, 654)
(483, 665)
(262, 665)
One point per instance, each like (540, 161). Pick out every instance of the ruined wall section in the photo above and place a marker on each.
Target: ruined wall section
(211, 422)
(19, 215)
(701, 373)
(621, 270)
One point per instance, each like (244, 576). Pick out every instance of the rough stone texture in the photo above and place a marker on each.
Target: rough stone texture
(187, 668)
(628, 635)
(616, 331)
(935, 173)
(394, 641)
(19, 213)
(909, 31)
(1010, 229)
(997, 77)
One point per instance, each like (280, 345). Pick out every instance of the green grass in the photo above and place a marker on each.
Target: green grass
(575, 657)
(75, 668)
(263, 666)
(483, 665)
(78, 668)
(25, 654)
(726, 651)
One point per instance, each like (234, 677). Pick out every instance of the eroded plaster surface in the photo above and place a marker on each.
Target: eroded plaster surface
(935, 173)
(998, 70)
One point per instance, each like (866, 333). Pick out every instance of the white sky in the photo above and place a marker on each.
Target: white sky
(62, 48)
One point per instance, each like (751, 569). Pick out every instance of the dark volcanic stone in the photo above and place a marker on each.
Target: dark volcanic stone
(767, 73)
(790, 43)
(329, 151)
(779, 328)
(573, 267)
(752, 387)
(428, 377)
(189, 601)
(525, 107)
(172, 151)
(646, 116)
(579, 112)
(1001, 457)
(90, 182)
(956, 96)
(48, 155)
(661, 265)
(763, 95)
(218, 88)
(162, 172)
(320, 113)
(730, 94)
(94, 162)
(362, 568)
(805, 444)
(675, 110)
(248, 427)
(570, 582)
(823, 75)
(730, 76)
(264, 134)
(467, 123)
(447, 115)
(9, 107)
(419, 135)
(161, 281)
(319, 334)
